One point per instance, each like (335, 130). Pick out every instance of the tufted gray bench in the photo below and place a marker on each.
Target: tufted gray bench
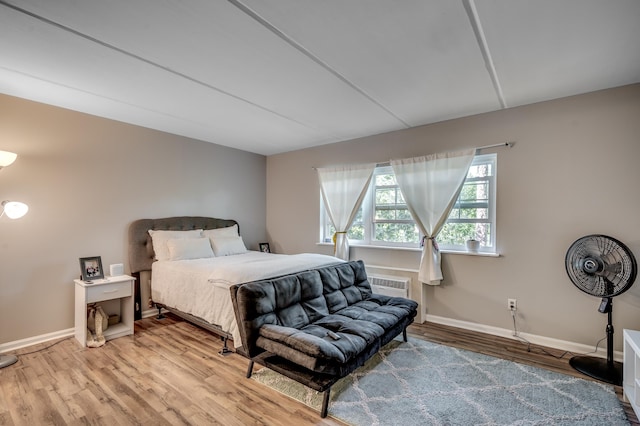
(319, 325)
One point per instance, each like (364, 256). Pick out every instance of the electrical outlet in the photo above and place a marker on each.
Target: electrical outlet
(512, 305)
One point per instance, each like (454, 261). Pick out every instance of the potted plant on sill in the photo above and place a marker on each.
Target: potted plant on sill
(473, 245)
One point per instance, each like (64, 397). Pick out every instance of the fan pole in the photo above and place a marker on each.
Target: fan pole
(610, 339)
(608, 371)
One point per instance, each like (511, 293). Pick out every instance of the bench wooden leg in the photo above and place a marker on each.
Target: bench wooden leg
(250, 370)
(404, 334)
(160, 314)
(225, 349)
(325, 403)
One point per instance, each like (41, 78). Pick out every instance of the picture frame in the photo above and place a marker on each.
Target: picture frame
(264, 247)
(91, 268)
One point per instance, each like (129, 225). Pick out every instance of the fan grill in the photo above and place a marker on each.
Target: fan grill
(600, 266)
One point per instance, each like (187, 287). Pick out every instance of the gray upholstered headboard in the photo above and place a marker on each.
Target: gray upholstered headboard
(141, 254)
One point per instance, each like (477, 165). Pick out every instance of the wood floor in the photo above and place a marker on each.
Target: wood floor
(169, 373)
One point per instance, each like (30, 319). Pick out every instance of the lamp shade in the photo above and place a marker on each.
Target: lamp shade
(14, 209)
(7, 158)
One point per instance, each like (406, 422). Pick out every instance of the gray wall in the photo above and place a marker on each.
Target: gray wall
(574, 171)
(85, 179)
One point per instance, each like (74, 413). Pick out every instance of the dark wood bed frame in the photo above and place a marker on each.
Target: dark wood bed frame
(142, 256)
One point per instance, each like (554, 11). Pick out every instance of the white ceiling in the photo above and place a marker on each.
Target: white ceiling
(271, 76)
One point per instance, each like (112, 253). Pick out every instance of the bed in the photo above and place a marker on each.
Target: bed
(185, 280)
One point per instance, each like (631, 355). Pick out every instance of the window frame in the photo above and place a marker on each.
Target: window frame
(368, 220)
(371, 194)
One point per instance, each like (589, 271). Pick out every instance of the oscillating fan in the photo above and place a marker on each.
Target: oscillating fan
(604, 267)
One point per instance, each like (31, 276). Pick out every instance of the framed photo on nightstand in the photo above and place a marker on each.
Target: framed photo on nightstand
(91, 268)
(264, 247)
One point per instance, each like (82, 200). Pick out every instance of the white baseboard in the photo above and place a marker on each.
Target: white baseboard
(575, 348)
(149, 313)
(18, 344)
(152, 312)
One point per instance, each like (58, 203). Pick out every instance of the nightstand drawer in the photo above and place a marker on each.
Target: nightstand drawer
(108, 291)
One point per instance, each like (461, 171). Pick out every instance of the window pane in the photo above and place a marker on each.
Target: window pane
(386, 196)
(396, 232)
(476, 190)
(457, 234)
(358, 218)
(480, 170)
(403, 214)
(385, 214)
(473, 213)
(356, 232)
(397, 212)
(385, 179)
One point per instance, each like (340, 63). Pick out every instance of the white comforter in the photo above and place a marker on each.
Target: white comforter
(201, 286)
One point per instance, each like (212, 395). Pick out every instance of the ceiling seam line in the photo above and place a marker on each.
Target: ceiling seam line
(149, 62)
(86, 92)
(262, 21)
(476, 25)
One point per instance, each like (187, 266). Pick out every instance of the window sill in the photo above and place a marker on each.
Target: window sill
(417, 249)
(470, 253)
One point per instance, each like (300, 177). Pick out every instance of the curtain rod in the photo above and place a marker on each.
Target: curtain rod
(509, 144)
(496, 145)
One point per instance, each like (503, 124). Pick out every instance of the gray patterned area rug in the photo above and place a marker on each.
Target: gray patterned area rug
(423, 383)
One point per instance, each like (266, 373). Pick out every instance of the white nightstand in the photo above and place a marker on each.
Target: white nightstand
(115, 295)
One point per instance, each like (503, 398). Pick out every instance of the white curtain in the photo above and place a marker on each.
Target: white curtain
(430, 186)
(343, 189)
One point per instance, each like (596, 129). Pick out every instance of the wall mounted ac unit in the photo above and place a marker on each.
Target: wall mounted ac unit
(390, 286)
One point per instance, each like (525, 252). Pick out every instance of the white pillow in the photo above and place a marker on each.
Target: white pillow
(228, 246)
(159, 239)
(189, 248)
(229, 231)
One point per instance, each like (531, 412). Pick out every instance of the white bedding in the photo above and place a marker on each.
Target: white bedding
(200, 287)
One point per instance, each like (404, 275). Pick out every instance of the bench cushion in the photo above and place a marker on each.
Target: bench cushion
(359, 326)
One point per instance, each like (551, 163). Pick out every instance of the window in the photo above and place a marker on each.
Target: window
(384, 219)
(474, 214)
(391, 222)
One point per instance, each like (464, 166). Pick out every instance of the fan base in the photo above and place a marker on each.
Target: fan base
(7, 360)
(598, 368)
